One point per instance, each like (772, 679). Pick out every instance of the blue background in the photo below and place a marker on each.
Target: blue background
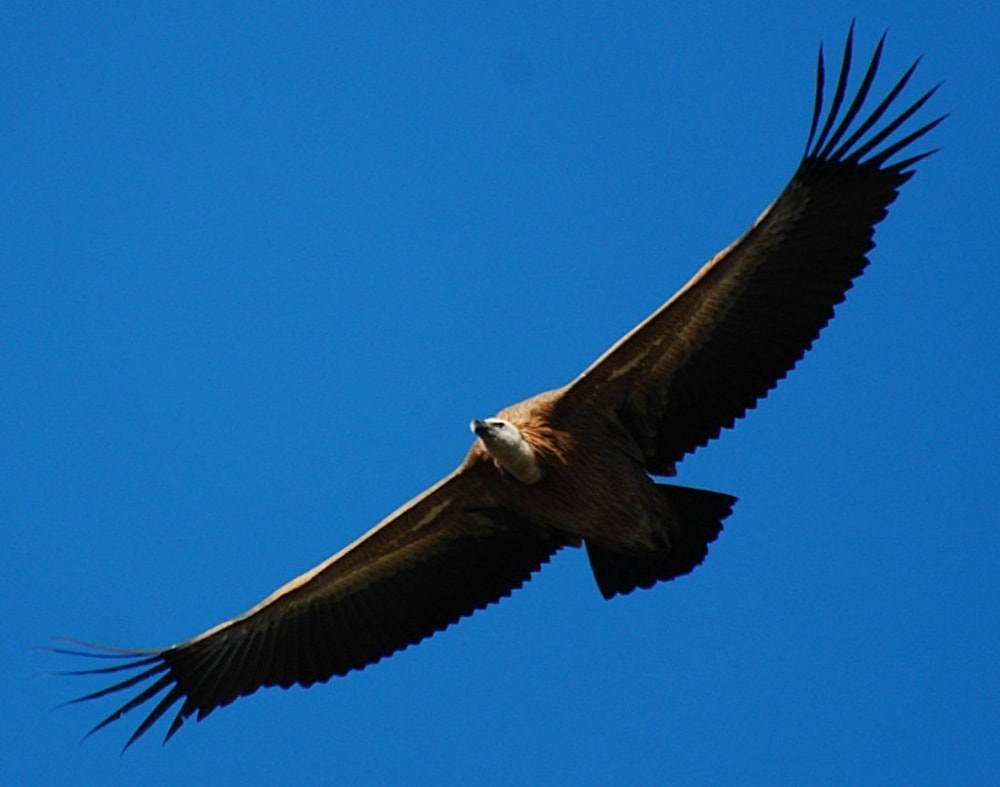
(261, 264)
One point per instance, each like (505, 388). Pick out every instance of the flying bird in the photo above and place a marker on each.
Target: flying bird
(577, 466)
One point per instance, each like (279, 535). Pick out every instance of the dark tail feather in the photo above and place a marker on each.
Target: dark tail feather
(698, 514)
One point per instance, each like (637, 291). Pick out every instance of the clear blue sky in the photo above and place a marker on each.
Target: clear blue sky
(261, 266)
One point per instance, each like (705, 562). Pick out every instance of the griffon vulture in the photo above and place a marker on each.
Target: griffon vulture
(574, 467)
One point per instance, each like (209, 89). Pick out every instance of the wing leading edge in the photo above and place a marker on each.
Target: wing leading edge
(749, 315)
(438, 559)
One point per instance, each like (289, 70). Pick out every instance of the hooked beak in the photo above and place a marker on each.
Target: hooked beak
(479, 427)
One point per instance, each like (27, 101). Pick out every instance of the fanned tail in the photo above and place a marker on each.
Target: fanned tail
(698, 514)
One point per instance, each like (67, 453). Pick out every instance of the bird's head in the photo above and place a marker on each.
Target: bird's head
(509, 449)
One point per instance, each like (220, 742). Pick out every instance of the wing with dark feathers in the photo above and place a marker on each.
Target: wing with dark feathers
(739, 326)
(439, 558)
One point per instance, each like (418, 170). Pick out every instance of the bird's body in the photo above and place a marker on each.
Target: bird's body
(577, 466)
(593, 487)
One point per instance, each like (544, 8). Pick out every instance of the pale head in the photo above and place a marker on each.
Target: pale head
(509, 449)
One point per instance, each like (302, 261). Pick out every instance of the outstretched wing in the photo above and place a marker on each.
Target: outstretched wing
(730, 334)
(439, 558)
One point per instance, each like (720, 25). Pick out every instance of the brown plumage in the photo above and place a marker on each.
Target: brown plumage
(574, 466)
